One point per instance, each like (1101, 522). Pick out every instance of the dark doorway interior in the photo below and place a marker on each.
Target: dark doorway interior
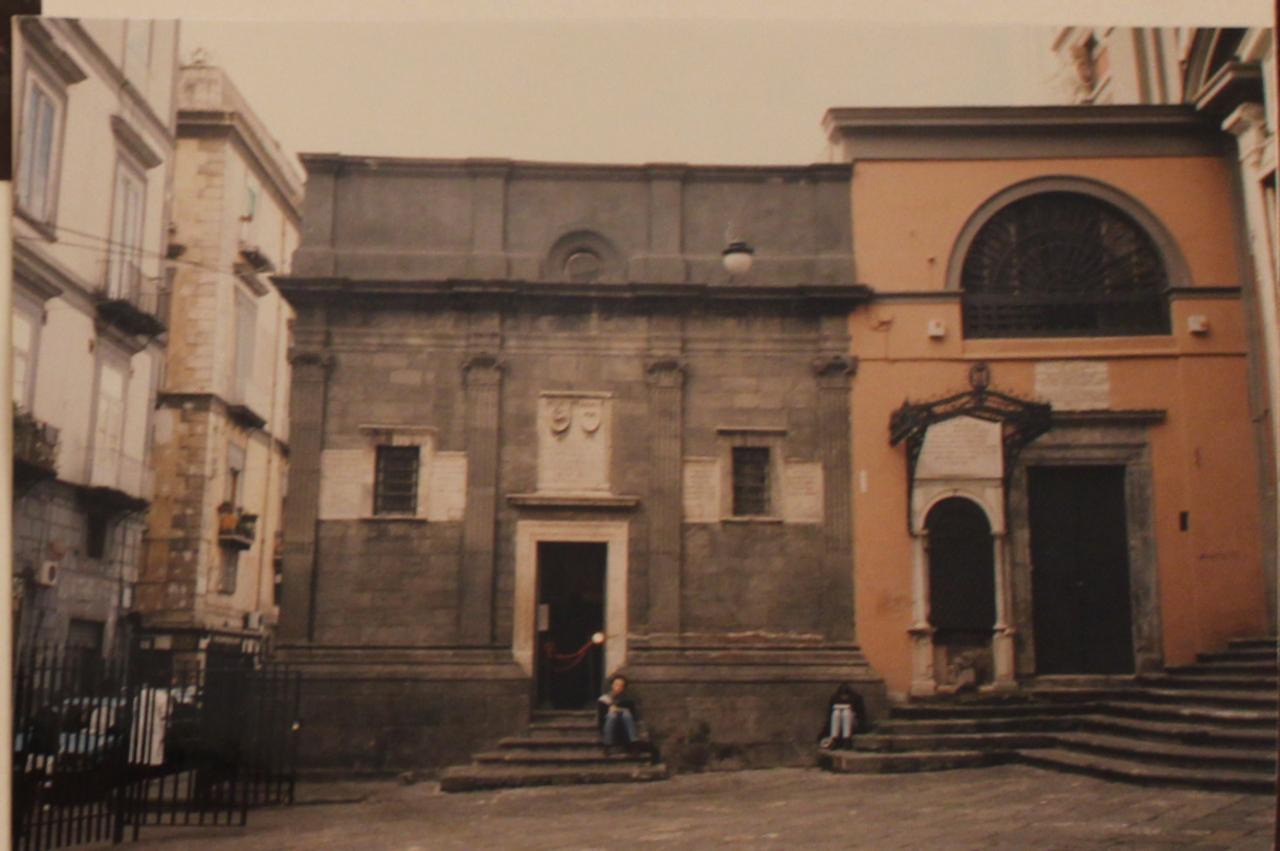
(1081, 608)
(571, 582)
(962, 589)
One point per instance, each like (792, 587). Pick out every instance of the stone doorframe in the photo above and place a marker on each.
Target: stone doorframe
(1109, 438)
(989, 496)
(529, 533)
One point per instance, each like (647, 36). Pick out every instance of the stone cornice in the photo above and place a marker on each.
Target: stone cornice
(322, 163)
(302, 290)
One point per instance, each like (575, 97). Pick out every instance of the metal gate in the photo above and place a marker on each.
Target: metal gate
(101, 751)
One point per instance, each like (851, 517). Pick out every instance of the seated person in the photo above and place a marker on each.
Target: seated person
(617, 713)
(847, 712)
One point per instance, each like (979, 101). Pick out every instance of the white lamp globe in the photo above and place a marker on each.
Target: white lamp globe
(737, 258)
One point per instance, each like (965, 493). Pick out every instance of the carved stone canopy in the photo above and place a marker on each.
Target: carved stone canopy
(1021, 421)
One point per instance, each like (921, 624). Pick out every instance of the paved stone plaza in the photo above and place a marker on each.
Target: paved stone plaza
(1007, 807)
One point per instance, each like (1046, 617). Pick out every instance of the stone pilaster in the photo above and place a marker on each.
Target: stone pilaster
(311, 370)
(833, 374)
(483, 379)
(666, 405)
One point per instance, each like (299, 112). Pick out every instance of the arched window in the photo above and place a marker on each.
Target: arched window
(1063, 264)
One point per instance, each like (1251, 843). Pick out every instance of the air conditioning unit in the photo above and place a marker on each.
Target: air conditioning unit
(46, 573)
(253, 620)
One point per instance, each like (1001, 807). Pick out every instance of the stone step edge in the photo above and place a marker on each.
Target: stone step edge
(475, 778)
(874, 762)
(579, 757)
(1163, 753)
(884, 743)
(1186, 733)
(1143, 773)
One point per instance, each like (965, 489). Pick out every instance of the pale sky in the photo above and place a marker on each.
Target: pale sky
(701, 81)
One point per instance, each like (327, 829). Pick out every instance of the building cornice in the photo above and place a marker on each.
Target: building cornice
(298, 290)
(1021, 132)
(219, 123)
(326, 163)
(41, 41)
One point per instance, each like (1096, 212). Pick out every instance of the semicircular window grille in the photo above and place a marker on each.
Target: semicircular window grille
(1063, 264)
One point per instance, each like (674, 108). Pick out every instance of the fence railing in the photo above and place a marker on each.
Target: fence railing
(102, 750)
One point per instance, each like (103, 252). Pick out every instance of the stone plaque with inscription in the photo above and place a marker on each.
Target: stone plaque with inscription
(448, 486)
(573, 443)
(802, 485)
(961, 448)
(701, 490)
(1074, 385)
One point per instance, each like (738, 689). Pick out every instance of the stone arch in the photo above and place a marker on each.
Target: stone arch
(986, 496)
(1065, 257)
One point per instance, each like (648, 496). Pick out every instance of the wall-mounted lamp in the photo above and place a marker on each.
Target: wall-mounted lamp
(937, 329)
(737, 258)
(1198, 325)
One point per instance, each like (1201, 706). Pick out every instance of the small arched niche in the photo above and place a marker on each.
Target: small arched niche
(583, 257)
(962, 592)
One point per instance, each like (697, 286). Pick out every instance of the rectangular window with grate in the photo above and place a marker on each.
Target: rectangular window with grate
(395, 488)
(750, 481)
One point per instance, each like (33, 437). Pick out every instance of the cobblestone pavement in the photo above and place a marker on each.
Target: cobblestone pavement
(1006, 807)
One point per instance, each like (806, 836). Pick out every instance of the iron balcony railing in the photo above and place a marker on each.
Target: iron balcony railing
(34, 442)
(236, 529)
(132, 301)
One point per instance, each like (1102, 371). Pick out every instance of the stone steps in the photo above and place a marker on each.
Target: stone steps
(1196, 680)
(1168, 753)
(560, 748)
(871, 762)
(1188, 733)
(953, 726)
(992, 741)
(1134, 771)
(1211, 725)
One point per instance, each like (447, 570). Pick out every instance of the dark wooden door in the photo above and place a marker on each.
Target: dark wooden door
(571, 586)
(1082, 612)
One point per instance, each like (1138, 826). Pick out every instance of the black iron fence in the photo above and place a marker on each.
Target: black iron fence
(101, 751)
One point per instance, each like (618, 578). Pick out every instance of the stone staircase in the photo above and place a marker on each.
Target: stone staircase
(560, 748)
(1211, 725)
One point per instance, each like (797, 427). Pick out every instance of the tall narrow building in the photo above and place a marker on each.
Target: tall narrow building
(221, 436)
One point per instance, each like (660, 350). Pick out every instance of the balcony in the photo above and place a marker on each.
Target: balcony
(35, 450)
(132, 302)
(236, 529)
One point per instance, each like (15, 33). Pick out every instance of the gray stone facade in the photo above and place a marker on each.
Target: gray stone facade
(574, 364)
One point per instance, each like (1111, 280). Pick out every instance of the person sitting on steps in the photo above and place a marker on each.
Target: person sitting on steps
(847, 714)
(617, 714)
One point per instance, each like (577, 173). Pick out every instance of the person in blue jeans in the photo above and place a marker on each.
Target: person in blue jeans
(617, 714)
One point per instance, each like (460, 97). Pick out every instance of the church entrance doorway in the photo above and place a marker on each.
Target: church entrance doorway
(1082, 612)
(570, 612)
(962, 591)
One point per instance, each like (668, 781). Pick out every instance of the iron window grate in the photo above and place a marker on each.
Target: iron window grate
(396, 483)
(1063, 264)
(750, 481)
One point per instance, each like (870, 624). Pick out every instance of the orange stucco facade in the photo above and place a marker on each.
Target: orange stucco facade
(1202, 515)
